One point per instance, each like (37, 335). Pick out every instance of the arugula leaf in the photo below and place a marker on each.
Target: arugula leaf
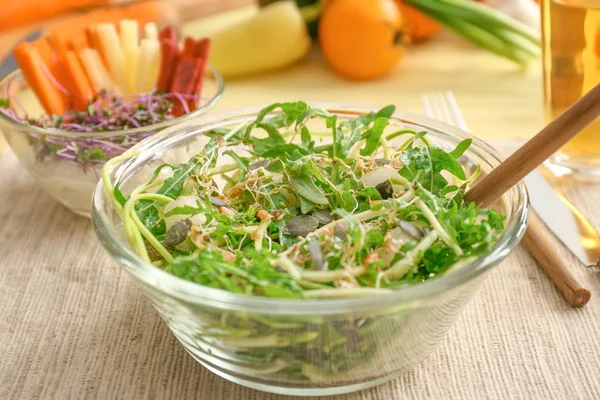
(242, 162)
(461, 148)
(307, 189)
(282, 149)
(306, 205)
(373, 135)
(424, 165)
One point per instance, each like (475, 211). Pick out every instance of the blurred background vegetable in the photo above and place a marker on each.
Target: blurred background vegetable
(419, 27)
(478, 23)
(270, 39)
(362, 39)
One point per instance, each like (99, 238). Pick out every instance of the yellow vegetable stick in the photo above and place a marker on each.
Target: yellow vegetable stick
(148, 66)
(115, 56)
(96, 71)
(151, 31)
(129, 42)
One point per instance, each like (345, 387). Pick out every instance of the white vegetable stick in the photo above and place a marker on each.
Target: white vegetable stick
(151, 31)
(115, 56)
(147, 72)
(96, 70)
(131, 49)
(129, 33)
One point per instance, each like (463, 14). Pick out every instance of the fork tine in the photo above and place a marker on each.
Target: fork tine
(427, 108)
(459, 121)
(444, 110)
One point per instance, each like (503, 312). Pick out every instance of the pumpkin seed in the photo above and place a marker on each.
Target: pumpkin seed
(323, 216)
(178, 232)
(301, 225)
(340, 231)
(385, 189)
(217, 202)
(317, 258)
(381, 162)
(409, 228)
(259, 164)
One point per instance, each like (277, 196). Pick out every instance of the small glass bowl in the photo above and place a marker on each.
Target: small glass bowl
(304, 347)
(68, 181)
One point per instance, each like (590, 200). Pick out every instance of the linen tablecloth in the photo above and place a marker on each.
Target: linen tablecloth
(74, 326)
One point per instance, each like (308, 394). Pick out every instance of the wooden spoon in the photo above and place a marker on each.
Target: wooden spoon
(531, 155)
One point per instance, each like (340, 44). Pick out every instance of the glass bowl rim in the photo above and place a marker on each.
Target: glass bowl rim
(194, 293)
(125, 132)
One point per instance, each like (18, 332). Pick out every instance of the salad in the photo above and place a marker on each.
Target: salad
(298, 205)
(299, 219)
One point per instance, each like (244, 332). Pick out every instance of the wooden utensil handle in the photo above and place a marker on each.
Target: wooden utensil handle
(540, 246)
(533, 153)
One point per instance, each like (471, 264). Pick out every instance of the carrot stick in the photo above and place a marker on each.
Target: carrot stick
(31, 64)
(57, 43)
(79, 85)
(43, 48)
(78, 43)
(62, 79)
(169, 53)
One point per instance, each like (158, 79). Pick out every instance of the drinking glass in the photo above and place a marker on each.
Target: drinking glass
(571, 59)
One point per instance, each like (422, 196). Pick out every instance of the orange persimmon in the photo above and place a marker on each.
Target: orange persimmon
(419, 26)
(361, 39)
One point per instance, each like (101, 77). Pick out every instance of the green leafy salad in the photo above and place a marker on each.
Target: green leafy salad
(298, 204)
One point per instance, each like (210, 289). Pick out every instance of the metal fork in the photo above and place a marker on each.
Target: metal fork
(443, 106)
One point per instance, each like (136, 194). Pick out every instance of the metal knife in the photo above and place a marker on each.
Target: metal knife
(563, 219)
(9, 64)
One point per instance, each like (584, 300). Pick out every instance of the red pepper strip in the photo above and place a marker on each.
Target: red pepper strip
(201, 52)
(168, 32)
(173, 74)
(185, 76)
(168, 53)
(189, 47)
(198, 82)
(202, 48)
(30, 62)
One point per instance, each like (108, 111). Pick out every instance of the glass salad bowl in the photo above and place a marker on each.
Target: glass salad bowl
(308, 346)
(67, 164)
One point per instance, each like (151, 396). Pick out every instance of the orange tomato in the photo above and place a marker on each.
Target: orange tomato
(419, 26)
(361, 39)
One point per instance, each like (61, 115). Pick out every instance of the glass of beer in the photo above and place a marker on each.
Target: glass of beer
(571, 58)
